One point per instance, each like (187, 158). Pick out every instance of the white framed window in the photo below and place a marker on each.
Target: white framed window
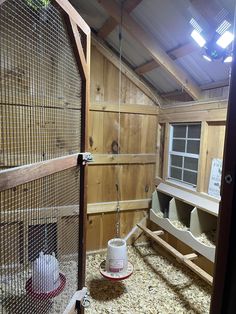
(184, 150)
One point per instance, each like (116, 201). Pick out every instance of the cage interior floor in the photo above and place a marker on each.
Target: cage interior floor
(157, 286)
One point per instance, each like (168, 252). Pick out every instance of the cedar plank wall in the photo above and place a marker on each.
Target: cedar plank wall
(137, 136)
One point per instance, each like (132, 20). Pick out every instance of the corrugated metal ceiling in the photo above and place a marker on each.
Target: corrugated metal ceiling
(168, 22)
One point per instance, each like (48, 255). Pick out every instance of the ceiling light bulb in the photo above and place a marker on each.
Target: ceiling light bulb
(228, 59)
(198, 38)
(225, 39)
(206, 57)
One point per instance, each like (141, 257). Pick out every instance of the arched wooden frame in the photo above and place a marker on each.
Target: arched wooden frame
(80, 37)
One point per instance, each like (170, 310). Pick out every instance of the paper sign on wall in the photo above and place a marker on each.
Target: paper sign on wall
(215, 178)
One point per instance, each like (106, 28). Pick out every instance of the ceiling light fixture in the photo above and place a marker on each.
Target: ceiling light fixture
(228, 58)
(198, 38)
(219, 44)
(206, 57)
(225, 39)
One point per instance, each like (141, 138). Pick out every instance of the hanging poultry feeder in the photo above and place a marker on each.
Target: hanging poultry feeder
(46, 281)
(116, 266)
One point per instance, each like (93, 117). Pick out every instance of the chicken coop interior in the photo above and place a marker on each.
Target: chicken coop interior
(117, 156)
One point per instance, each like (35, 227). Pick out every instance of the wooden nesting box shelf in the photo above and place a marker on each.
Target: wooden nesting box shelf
(187, 216)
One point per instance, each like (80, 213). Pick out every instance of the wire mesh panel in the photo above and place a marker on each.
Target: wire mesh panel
(40, 116)
(40, 85)
(40, 216)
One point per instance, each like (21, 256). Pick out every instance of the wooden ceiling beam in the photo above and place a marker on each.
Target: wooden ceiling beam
(209, 86)
(111, 23)
(146, 67)
(150, 43)
(107, 27)
(175, 53)
(183, 50)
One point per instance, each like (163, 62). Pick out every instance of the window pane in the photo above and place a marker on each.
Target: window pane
(179, 131)
(190, 177)
(194, 131)
(193, 147)
(176, 161)
(178, 145)
(190, 163)
(176, 173)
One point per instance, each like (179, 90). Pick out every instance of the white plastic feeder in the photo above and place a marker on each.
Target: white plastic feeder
(116, 255)
(116, 266)
(46, 281)
(45, 276)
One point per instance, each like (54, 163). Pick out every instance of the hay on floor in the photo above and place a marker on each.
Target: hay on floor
(158, 285)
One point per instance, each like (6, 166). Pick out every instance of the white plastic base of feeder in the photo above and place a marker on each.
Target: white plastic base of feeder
(116, 276)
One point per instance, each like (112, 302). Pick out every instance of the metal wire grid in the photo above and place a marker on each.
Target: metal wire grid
(38, 216)
(40, 99)
(40, 106)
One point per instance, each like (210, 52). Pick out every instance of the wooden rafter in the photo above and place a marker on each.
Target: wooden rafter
(107, 27)
(147, 67)
(213, 85)
(175, 53)
(150, 43)
(111, 23)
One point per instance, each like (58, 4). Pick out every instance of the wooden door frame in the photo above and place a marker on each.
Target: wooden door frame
(80, 37)
(224, 284)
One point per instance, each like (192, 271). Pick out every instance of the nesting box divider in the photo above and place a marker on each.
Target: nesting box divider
(160, 203)
(179, 213)
(192, 225)
(203, 224)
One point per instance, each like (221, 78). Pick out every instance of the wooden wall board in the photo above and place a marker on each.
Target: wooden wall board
(104, 83)
(13, 233)
(215, 147)
(202, 159)
(48, 133)
(129, 205)
(68, 235)
(101, 228)
(55, 190)
(103, 159)
(135, 182)
(203, 115)
(160, 150)
(141, 92)
(137, 133)
(194, 106)
(126, 108)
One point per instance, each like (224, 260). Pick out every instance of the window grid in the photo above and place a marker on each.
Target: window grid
(184, 154)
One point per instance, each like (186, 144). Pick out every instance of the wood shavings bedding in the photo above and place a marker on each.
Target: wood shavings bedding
(208, 238)
(157, 286)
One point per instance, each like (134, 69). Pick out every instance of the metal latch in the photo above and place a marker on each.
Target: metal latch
(86, 157)
(80, 298)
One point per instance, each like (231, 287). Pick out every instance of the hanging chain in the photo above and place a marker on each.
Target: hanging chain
(45, 249)
(118, 212)
(119, 104)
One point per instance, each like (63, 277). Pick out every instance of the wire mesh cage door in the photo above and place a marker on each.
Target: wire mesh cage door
(44, 95)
